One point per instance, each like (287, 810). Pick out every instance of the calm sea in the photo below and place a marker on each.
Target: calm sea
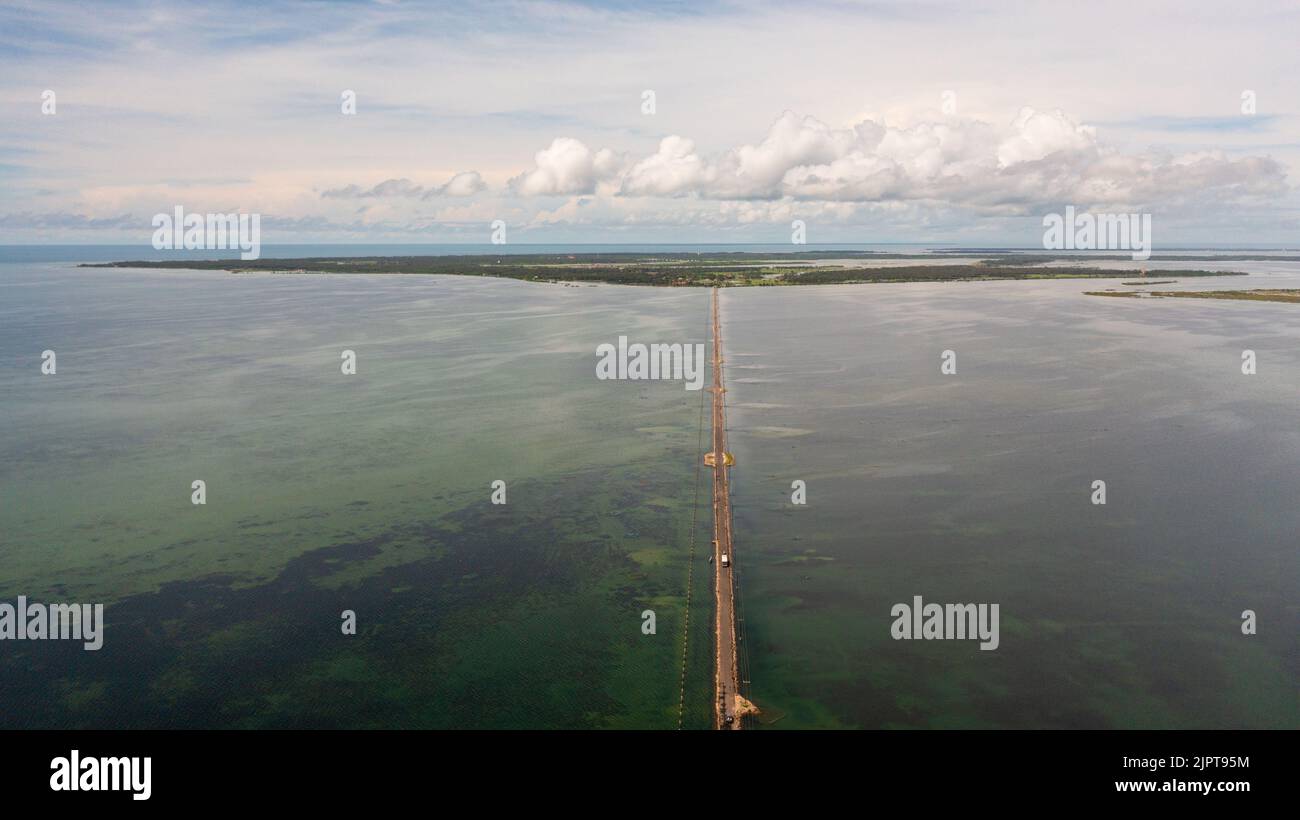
(371, 493)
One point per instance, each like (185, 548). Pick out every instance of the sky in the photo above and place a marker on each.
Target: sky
(607, 122)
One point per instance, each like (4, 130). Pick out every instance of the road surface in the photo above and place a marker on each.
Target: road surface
(728, 688)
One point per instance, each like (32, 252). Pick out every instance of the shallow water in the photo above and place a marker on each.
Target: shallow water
(327, 492)
(371, 493)
(977, 488)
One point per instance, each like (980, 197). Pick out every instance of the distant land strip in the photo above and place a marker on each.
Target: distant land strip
(1257, 295)
(684, 269)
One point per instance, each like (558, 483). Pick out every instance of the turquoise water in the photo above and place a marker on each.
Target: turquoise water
(329, 492)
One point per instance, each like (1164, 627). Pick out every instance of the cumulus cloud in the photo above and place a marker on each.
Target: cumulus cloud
(568, 166)
(1037, 158)
(758, 171)
(466, 183)
(674, 169)
(1035, 135)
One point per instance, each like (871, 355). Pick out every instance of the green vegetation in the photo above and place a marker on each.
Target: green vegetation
(677, 269)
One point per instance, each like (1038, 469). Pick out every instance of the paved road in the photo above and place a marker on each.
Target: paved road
(727, 680)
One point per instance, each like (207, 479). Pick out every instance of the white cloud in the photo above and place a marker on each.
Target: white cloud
(566, 167)
(465, 183)
(1037, 159)
(791, 142)
(131, 137)
(1036, 135)
(675, 168)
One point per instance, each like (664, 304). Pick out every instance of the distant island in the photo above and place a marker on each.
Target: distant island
(1256, 295)
(715, 269)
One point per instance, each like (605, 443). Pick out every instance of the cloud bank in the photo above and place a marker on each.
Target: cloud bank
(1039, 158)
(466, 183)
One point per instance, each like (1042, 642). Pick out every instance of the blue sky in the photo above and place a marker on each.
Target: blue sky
(871, 122)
